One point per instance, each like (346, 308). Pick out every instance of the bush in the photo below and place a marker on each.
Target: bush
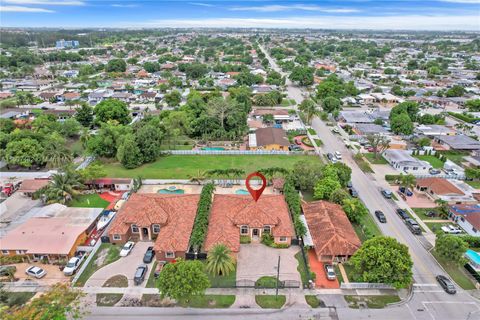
(392, 178)
(201, 219)
(12, 259)
(294, 204)
(245, 239)
(267, 239)
(473, 242)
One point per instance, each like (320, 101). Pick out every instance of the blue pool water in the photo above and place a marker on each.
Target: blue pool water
(213, 148)
(242, 191)
(175, 191)
(474, 256)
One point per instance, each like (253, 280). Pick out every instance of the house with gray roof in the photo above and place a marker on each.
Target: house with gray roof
(457, 142)
(403, 161)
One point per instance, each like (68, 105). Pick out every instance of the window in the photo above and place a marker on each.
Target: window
(169, 254)
(474, 230)
(266, 229)
(156, 228)
(20, 251)
(5, 252)
(244, 230)
(134, 228)
(117, 237)
(283, 239)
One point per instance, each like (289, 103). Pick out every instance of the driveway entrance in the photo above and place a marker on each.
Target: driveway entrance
(258, 260)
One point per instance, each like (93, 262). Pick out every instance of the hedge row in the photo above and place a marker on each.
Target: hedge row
(200, 225)
(472, 241)
(294, 204)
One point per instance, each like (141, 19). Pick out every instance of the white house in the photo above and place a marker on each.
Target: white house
(402, 161)
(467, 216)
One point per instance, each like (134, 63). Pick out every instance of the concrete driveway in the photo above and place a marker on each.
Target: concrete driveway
(125, 266)
(258, 260)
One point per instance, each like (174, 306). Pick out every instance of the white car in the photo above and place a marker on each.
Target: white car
(127, 248)
(338, 155)
(72, 266)
(35, 272)
(451, 229)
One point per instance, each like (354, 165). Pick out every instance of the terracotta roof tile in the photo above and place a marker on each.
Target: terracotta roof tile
(229, 212)
(32, 185)
(331, 232)
(439, 186)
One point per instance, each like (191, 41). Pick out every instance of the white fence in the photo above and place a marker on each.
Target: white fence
(235, 152)
(87, 261)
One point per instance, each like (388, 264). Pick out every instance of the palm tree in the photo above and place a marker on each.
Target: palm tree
(56, 156)
(198, 177)
(408, 181)
(84, 137)
(310, 109)
(442, 208)
(62, 188)
(220, 261)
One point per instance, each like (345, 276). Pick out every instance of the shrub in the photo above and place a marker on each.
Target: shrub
(245, 239)
(294, 204)
(201, 219)
(473, 242)
(267, 239)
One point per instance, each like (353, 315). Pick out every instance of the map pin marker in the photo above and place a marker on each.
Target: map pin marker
(254, 192)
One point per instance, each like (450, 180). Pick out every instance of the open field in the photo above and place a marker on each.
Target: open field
(181, 167)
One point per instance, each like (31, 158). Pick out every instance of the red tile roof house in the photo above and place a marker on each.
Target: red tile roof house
(30, 186)
(166, 219)
(234, 215)
(333, 236)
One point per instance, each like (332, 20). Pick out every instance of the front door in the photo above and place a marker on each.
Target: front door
(145, 233)
(255, 232)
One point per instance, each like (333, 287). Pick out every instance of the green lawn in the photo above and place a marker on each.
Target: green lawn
(456, 272)
(266, 282)
(176, 147)
(108, 299)
(89, 201)
(434, 161)
(209, 301)
(455, 156)
(270, 301)
(180, 167)
(373, 302)
(151, 283)
(474, 184)
(371, 158)
(228, 281)
(421, 213)
(314, 302)
(112, 255)
(367, 228)
(302, 268)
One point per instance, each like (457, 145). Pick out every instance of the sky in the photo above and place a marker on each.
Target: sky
(319, 14)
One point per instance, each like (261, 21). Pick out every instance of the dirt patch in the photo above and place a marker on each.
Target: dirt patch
(118, 281)
(101, 256)
(154, 300)
(108, 299)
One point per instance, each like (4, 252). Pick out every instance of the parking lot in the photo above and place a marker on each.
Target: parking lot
(124, 266)
(54, 274)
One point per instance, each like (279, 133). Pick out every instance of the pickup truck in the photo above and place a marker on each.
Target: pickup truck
(74, 263)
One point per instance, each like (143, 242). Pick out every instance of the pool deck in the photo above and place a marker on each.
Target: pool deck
(196, 189)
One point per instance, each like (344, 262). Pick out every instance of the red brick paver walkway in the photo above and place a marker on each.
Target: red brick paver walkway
(321, 282)
(111, 197)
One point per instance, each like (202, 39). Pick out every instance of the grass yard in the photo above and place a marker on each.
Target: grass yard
(110, 253)
(209, 301)
(474, 184)
(455, 156)
(362, 164)
(456, 272)
(108, 299)
(176, 147)
(228, 281)
(373, 302)
(314, 302)
(302, 268)
(270, 301)
(422, 214)
(180, 167)
(367, 228)
(151, 283)
(89, 201)
(15, 299)
(266, 282)
(371, 158)
(118, 281)
(434, 161)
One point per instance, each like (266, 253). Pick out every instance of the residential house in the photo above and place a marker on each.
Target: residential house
(47, 96)
(114, 184)
(366, 129)
(467, 217)
(268, 139)
(403, 161)
(432, 130)
(332, 234)
(165, 219)
(456, 142)
(30, 186)
(443, 189)
(233, 216)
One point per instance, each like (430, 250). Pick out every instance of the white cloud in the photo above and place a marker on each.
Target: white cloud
(119, 5)
(201, 4)
(47, 2)
(404, 22)
(304, 7)
(23, 9)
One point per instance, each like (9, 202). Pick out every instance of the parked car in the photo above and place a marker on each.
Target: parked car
(35, 272)
(349, 184)
(434, 171)
(413, 226)
(387, 193)
(338, 155)
(380, 216)
(353, 192)
(446, 284)
(451, 229)
(330, 272)
(335, 130)
(331, 157)
(431, 214)
(73, 265)
(127, 248)
(403, 214)
(405, 191)
(148, 257)
(140, 274)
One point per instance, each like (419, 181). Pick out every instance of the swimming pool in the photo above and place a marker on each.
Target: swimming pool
(213, 148)
(474, 257)
(242, 191)
(171, 191)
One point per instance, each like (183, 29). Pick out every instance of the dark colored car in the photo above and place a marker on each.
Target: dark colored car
(140, 274)
(405, 191)
(402, 214)
(387, 194)
(349, 184)
(380, 216)
(353, 192)
(330, 156)
(413, 226)
(148, 257)
(446, 284)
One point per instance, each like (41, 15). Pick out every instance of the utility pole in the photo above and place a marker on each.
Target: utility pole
(278, 276)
